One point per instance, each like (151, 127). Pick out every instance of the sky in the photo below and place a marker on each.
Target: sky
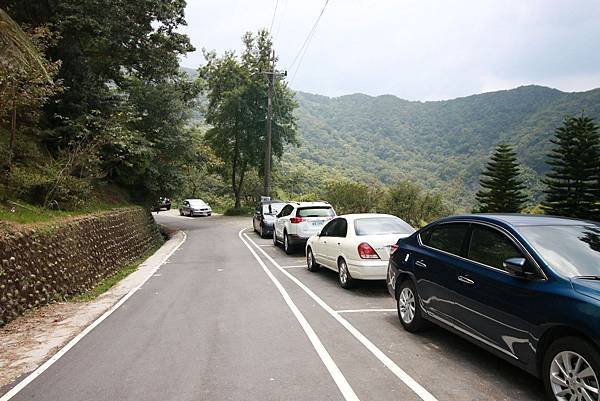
(414, 49)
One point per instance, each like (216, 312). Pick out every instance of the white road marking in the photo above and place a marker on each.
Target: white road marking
(266, 245)
(364, 310)
(334, 371)
(389, 363)
(22, 384)
(291, 267)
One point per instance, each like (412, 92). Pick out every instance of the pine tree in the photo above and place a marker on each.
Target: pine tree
(502, 187)
(572, 183)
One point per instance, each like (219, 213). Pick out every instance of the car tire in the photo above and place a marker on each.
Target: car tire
(180, 212)
(191, 214)
(409, 307)
(287, 247)
(311, 264)
(275, 243)
(261, 231)
(553, 366)
(344, 277)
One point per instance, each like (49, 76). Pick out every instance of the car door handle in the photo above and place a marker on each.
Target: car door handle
(465, 280)
(420, 263)
(339, 243)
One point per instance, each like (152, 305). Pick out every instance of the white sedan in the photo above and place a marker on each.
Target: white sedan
(357, 246)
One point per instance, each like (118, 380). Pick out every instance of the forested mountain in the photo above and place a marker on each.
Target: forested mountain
(439, 144)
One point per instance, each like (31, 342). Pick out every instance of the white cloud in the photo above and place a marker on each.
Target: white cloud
(416, 49)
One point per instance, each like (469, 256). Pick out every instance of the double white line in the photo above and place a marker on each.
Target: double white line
(335, 372)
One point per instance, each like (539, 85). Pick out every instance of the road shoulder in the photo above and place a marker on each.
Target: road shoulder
(32, 339)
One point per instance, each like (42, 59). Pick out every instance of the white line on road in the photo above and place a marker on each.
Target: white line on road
(364, 310)
(291, 267)
(334, 371)
(389, 363)
(22, 384)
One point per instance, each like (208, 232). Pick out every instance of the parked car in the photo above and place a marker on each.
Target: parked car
(264, 216)
(297, 221)
(194, 207)
(526, 288)
(357, 246)
(163, 203)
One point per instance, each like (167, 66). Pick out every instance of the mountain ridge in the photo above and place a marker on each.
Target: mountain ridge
(434, 143)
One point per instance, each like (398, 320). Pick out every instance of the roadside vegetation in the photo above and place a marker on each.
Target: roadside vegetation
(88, 108)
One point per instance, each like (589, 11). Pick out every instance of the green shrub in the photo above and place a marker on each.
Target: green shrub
(239, 211)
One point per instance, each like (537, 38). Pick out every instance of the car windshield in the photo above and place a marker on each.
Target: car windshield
(275, 208)
(316, 211)
(572, 251)
(381, 226)
(197, 203)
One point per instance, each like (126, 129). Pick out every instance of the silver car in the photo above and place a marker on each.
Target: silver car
(194, 207)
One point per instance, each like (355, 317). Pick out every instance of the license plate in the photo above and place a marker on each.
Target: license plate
(316, 223)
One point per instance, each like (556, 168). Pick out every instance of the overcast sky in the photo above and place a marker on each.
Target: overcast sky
(414, 49)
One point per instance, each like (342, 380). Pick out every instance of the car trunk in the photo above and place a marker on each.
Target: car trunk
(381, 243)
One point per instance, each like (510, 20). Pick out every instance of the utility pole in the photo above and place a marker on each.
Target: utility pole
(271, 76)
(268, 144)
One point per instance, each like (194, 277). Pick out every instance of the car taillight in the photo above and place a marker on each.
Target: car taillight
(296, 220)
(393, 249)
(365, 251)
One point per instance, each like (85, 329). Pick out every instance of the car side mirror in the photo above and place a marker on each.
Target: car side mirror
(515, 266)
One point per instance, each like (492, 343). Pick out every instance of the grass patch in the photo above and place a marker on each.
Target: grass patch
(110, 282)
(239, 211)
(24, 213)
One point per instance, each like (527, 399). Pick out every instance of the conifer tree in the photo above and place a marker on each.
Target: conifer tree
(572, 183)
(502, 187)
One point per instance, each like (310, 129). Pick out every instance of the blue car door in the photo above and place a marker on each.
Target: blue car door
(435, 268)
(493, 305)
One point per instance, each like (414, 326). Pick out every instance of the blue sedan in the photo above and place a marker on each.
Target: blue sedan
(526, 288)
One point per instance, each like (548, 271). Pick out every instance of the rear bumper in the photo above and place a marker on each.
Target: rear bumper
(296, 240)
(203, 213)
(368, 269)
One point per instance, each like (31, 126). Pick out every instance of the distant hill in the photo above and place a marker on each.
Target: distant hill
(436, 144)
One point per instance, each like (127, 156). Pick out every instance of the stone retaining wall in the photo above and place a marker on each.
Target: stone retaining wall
(52, 261)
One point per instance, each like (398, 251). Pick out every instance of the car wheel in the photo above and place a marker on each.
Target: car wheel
(311, 264)
(346, 280)
(571, 369)
(409, 308)
(180, 212)
(191, 214)
(274, 237)
(287, 247)
(261, 231)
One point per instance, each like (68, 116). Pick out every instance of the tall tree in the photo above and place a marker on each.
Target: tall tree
(573, 181)
(237, 109)
(502, 186)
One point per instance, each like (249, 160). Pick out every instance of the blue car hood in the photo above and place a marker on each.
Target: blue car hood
(588, 287)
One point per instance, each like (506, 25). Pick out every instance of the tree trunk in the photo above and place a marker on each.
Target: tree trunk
(238, 192)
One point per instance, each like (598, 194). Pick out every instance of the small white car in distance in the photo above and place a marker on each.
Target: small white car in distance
(297, 221)
(194, 207)
(357, 246)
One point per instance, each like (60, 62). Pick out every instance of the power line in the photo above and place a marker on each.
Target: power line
(273, 19)
(300, 55)
(281, 15)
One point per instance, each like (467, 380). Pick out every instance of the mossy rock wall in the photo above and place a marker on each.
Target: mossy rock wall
(52, 261)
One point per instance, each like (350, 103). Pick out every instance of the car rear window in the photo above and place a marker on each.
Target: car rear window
(317, 211)
(381, 226)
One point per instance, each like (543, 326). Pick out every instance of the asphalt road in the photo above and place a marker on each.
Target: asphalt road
(215, 323)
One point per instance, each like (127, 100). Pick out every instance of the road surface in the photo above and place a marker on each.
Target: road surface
(230, 317)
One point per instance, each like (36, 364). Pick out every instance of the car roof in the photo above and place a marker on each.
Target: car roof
(305, 204)
(266, 202)
(521, 220)
(354, 216)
